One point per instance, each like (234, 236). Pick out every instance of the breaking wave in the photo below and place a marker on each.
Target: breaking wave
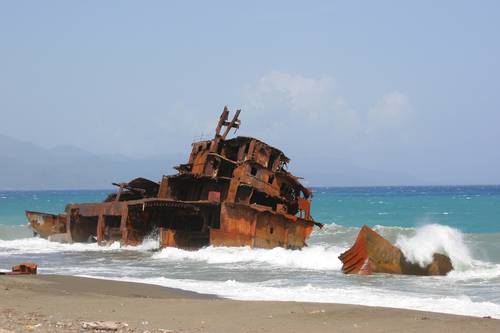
(435, 238)
(310, 258)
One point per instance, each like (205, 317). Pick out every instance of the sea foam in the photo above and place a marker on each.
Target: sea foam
(36, 245)
(266, 291)
(311, 258)
(435, 238)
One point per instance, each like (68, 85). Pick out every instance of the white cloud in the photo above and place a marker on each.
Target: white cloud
(302, 95)
(286, 108)
(281, 103)
(392, 111)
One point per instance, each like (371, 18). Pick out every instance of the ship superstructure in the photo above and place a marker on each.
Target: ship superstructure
(231, 192)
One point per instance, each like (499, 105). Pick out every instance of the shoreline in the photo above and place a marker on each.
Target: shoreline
(57, 303)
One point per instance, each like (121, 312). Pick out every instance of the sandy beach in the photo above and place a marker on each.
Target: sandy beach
(49, 303)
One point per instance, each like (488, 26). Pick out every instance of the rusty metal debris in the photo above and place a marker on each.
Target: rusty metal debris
(231, 192)
(25, 268)
(371, 253)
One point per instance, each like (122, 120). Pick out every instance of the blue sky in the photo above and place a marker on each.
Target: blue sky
(409, 89)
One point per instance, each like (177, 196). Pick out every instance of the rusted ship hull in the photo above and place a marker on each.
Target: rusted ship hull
(187, 225)
(371, 253)
(45, 224)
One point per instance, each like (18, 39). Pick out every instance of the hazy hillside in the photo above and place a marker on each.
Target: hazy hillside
(28, 166)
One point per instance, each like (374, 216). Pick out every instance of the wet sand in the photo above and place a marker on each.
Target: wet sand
(48, 303)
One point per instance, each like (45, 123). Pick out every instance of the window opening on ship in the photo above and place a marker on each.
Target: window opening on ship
(260, 198)
(243, 193)
(84, 228)
(226, 169)
(112, 227)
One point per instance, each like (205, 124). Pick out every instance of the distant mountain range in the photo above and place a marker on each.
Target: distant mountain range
(26, 166)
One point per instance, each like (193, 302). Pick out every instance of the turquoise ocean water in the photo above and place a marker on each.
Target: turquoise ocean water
(469, 208)
(460, 221)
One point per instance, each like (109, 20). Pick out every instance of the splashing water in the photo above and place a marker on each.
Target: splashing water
(435, 238)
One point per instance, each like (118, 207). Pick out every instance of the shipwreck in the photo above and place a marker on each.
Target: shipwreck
(231, 192)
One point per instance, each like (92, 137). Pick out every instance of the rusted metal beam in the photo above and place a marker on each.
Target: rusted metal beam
(222, 121)
(235, 123)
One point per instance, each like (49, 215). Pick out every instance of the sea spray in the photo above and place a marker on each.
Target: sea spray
(435, 238)
(149, 243)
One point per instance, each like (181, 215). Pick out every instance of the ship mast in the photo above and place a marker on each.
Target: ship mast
(235, 123)
(223, 121)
